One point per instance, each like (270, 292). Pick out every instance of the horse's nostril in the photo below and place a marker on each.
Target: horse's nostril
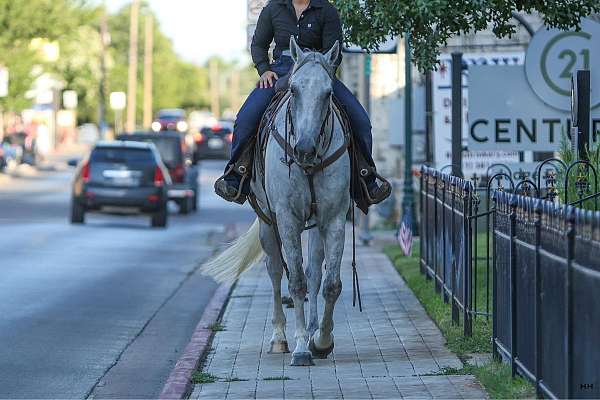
(305, 147)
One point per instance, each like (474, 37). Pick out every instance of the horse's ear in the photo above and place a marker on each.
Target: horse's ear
(296, 51)
(333, 54)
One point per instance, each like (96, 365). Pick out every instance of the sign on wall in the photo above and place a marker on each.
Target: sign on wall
(506, 114)
(528, 108)
(442, 111)
(552, 58)
(254, 7)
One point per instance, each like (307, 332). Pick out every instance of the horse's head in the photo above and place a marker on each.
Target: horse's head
(311, 86)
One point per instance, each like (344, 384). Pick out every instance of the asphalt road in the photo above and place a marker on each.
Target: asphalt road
(104, 309)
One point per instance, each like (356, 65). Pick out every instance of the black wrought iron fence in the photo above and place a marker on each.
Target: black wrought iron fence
(503, 245)
(547, 286)
(446, 207)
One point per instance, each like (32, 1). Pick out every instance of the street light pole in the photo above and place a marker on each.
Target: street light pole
(408, 202)
(365, 234)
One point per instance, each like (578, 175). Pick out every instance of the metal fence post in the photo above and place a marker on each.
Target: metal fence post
(537, 304)
(444, 244)
(455, 311)
(495, 352)
(513, 286)
(423, 247)
(570, 225)
(436, 230)
(466, 193)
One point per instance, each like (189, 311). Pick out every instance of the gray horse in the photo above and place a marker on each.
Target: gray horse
(317, 135)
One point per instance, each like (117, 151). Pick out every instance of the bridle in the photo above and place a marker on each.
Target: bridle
(328, 121)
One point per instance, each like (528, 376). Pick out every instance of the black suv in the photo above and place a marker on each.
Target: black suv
(174, 153)
(122, 175)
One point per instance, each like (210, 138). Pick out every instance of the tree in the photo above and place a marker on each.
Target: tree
(22, 21)
(432, 22)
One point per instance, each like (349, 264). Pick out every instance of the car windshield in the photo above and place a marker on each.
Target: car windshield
(170, 117)
(168, 147)
(171, 114)
(121, 155)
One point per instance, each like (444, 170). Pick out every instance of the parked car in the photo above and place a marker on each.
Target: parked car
(170, 119)
(173, 151)
(124, 175)
(214, 142)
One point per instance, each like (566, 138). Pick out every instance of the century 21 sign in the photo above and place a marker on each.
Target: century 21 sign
(528, 108)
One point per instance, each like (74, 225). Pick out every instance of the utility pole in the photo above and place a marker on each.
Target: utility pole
(408, 201)
(214, 87)
(105, 42)
(132, 78)
(148, 50)
(365, 234)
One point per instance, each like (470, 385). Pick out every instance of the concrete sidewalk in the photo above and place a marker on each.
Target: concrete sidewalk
(390, 350)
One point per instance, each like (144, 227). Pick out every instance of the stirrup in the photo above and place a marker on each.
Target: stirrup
(239, 196)
(385, 186)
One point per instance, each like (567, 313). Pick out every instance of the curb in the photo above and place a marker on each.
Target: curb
(178, 384)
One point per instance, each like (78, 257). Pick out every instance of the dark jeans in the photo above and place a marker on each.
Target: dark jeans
(248, 118)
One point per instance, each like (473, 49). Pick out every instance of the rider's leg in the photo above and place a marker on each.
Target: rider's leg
(246, 124)
(361, 130)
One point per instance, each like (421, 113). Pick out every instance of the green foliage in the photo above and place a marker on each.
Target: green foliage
(277, 378)
(432, 22)
(75, 25)
(217, 327)
(495, 377)
(203, 378)
(578, 172)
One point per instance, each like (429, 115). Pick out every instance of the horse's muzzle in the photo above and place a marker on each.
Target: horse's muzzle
(305, 152)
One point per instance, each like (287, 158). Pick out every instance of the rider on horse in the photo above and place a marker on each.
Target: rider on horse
(315, 24)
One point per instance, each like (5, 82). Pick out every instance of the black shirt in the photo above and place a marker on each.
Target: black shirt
(317, 29)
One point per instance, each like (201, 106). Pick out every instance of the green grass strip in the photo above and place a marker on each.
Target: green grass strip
(495, 376)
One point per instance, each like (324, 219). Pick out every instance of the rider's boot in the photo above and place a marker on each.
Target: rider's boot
(377, 193)
(231, 188)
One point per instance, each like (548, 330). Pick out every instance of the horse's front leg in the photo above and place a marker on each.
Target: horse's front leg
(269, 244)
(291, 241)
(321, 343)
(314, 273)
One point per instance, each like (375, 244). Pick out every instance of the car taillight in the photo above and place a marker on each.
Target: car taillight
(198, 137)
(178, 173)
(85, 172)
(159, 178)
(229, 137)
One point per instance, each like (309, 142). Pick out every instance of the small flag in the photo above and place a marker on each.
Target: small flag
(404, 234)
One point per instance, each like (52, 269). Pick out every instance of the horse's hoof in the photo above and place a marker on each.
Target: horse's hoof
(303, 359)
(279, 347)
(319, 353)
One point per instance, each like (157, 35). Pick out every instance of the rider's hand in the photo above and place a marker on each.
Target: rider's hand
(267, 79)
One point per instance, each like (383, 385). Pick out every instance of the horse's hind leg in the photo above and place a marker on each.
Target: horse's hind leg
(314, 274)
(269, 244)
(321, 343)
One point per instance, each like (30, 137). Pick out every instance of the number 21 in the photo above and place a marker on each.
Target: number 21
(568, 70)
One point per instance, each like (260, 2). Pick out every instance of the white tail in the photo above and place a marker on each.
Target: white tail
(242, 254)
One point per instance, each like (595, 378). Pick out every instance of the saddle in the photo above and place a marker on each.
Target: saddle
(250, 164)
